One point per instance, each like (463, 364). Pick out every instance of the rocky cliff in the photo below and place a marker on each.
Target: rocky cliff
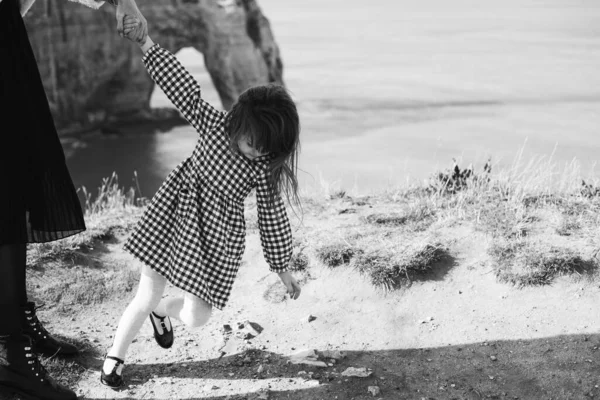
(93, 77)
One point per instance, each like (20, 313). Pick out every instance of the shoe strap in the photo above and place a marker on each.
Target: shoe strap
(157, 317)
(118, 360)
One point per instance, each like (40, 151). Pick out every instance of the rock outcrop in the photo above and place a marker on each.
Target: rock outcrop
(93, 77)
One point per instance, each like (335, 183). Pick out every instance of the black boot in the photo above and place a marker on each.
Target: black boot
(43, 343)
(21, 371)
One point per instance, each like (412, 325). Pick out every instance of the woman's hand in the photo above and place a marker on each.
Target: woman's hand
(291, 284)
(130, 8)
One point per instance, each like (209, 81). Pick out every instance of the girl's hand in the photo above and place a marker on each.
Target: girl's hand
(130, 26)
(291, 284)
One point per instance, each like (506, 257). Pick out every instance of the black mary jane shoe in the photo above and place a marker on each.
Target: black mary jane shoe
(166, 338)
(115, 378)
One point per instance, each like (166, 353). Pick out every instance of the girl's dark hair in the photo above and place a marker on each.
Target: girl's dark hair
(268, 115)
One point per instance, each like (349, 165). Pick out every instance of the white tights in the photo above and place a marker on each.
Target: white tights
(189, 309)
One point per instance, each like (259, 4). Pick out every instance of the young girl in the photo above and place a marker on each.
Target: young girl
(193, 232)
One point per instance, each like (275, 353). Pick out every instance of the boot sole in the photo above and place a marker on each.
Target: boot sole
(23, 395)
(6, 384)
(20, 393)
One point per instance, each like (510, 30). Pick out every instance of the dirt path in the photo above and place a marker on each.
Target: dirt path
(459, 335)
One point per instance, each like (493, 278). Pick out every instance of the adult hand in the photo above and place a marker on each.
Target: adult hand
(130, 8)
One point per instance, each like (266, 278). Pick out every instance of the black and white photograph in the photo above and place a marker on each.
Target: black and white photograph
(299, 200)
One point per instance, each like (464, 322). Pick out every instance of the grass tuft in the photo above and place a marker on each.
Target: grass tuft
(389, 270)
(528, 263)
(334, 255)
(589, 190)
(568, 226)
(419, 214)
(458, 180)
(299, 261)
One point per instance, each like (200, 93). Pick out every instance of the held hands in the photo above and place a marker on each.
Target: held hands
(291, 284)
(128, 8)
(130, 26)
(131, 31)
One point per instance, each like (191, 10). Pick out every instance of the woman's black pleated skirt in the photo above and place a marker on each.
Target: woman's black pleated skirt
(38, 201)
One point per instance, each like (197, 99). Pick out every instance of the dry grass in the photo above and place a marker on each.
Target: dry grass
(299, 261)
(334, 255)
(536, 200)
(83, 287)
(391, 270)
(112, 212)
(529, 263)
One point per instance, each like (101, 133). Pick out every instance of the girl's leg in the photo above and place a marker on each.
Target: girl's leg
(189, 309)
(150, 290)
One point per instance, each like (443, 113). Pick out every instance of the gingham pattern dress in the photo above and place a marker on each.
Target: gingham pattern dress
(193, 231)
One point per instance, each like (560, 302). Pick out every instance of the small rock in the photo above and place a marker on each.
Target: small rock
(359, 372)
(227, 328)
(374, 390)
(308, 357)
(260, 369)
(249, 330)
(310, 362)
(334, 354)
(311, 318)
(493, 358)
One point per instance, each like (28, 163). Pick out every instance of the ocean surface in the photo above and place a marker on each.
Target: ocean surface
(391, 91)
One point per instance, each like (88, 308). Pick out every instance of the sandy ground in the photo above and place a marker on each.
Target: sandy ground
(460, 335)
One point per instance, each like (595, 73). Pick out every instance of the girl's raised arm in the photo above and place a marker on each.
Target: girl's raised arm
(180, 87)
(275, 229)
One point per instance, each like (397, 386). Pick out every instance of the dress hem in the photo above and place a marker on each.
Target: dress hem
(178, 286)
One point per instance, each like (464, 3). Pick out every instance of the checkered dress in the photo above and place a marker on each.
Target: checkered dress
(193, 232)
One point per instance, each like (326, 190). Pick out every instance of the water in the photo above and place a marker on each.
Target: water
(391, 90)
